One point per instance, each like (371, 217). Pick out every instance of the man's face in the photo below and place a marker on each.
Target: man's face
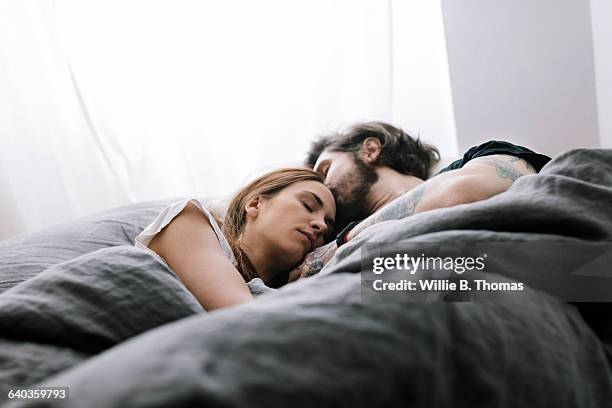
(350, 181)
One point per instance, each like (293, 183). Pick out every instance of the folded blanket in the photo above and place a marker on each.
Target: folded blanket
(81, 307)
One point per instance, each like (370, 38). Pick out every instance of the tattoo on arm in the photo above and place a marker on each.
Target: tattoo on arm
(313, 266)
(404, 206)
(316, 260)
(401, 207)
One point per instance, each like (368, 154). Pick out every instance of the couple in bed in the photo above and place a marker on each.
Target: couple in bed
(276, 226)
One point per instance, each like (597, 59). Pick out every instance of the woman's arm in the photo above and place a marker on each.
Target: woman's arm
(192, 250)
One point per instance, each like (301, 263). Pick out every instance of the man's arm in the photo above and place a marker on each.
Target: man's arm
(314, 262)
(479, 179)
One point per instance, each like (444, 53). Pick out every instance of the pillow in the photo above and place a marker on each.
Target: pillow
(24, 256)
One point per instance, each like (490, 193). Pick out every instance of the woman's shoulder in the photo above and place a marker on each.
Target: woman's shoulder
(187, 206)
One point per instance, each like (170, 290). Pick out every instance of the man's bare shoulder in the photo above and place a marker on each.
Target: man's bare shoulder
(501, 166)
(506, 165)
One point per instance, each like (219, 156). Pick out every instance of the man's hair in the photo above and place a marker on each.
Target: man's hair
(399, 151)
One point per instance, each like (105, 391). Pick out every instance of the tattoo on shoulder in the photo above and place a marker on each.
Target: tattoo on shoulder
(505, 169)
(530, 169)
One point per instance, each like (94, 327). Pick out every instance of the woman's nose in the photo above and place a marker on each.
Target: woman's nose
(320, 227)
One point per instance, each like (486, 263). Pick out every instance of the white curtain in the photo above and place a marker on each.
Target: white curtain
(104, 103)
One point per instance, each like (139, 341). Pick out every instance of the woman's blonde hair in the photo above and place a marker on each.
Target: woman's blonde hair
(266, 186)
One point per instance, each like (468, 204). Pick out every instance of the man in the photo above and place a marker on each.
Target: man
(378, 172)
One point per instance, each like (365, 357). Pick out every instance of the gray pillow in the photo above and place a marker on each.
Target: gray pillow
(25, 256)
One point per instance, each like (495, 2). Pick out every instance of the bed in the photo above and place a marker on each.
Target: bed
(81, 307)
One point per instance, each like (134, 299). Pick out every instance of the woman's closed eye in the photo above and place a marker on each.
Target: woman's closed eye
(307, 206)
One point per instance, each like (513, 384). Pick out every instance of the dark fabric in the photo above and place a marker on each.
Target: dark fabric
(498, 147)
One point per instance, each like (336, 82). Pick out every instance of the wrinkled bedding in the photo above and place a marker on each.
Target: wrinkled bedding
(118, 328)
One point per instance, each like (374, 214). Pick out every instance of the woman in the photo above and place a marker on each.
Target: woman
(270, 227)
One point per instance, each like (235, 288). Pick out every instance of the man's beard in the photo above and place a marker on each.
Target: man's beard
(351, 193)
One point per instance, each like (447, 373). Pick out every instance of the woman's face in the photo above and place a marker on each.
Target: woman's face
(292, 223)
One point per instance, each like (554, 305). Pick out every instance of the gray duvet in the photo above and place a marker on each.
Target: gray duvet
(80, 307)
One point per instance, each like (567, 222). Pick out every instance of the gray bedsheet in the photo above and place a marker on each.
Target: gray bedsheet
(117, 327)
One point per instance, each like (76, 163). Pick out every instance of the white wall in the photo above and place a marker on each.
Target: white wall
(522, 71)
(421, 98)
(601, 20)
